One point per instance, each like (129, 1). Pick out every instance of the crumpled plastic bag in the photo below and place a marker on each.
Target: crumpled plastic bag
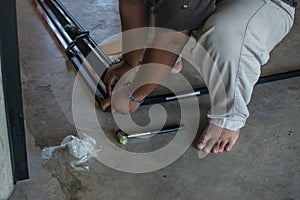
(84, 149)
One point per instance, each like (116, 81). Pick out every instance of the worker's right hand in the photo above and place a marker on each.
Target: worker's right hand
(113, 75)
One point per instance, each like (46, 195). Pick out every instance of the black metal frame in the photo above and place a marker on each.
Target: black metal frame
(78, 45)
(9, 52)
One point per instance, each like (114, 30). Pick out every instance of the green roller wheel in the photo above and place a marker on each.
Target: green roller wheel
(123, 140)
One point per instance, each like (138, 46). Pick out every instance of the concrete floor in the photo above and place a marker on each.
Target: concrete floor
(264, 164)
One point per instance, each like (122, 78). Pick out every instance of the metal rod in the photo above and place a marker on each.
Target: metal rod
(201, 91)
(162, 131)
(171, 96)
(279, 76)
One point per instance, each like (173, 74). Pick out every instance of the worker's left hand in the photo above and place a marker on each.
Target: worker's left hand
(115, 73)
(119, 102)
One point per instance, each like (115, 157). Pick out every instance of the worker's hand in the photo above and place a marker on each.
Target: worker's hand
(119, 102)
(113, 75)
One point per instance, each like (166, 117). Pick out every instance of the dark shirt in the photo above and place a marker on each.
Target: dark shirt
(186, 14)
(293, 3)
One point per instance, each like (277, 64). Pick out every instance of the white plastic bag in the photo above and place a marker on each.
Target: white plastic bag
(83, 149)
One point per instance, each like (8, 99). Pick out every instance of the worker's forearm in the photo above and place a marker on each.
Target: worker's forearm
(152, 74)
(157, 63)
(132, 58)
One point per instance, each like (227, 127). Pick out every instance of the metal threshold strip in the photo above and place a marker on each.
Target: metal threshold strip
(91, 61)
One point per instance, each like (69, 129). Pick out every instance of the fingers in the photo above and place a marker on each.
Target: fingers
(110, 85)
(104, 74)
(119, 103)
(105, 104)
(109, 80)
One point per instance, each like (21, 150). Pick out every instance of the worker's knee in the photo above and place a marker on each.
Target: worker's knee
(221, 42)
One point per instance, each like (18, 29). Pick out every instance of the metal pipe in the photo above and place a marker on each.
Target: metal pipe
(124, 137)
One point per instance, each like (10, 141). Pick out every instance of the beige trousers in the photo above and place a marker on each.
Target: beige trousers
(238, 37)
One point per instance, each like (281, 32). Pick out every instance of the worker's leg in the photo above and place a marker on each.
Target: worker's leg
(238, 37)
(134, 14)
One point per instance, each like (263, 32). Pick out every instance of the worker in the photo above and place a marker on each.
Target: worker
(237, 34)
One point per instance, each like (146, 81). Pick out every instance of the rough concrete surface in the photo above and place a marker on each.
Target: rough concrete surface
(264, 164)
